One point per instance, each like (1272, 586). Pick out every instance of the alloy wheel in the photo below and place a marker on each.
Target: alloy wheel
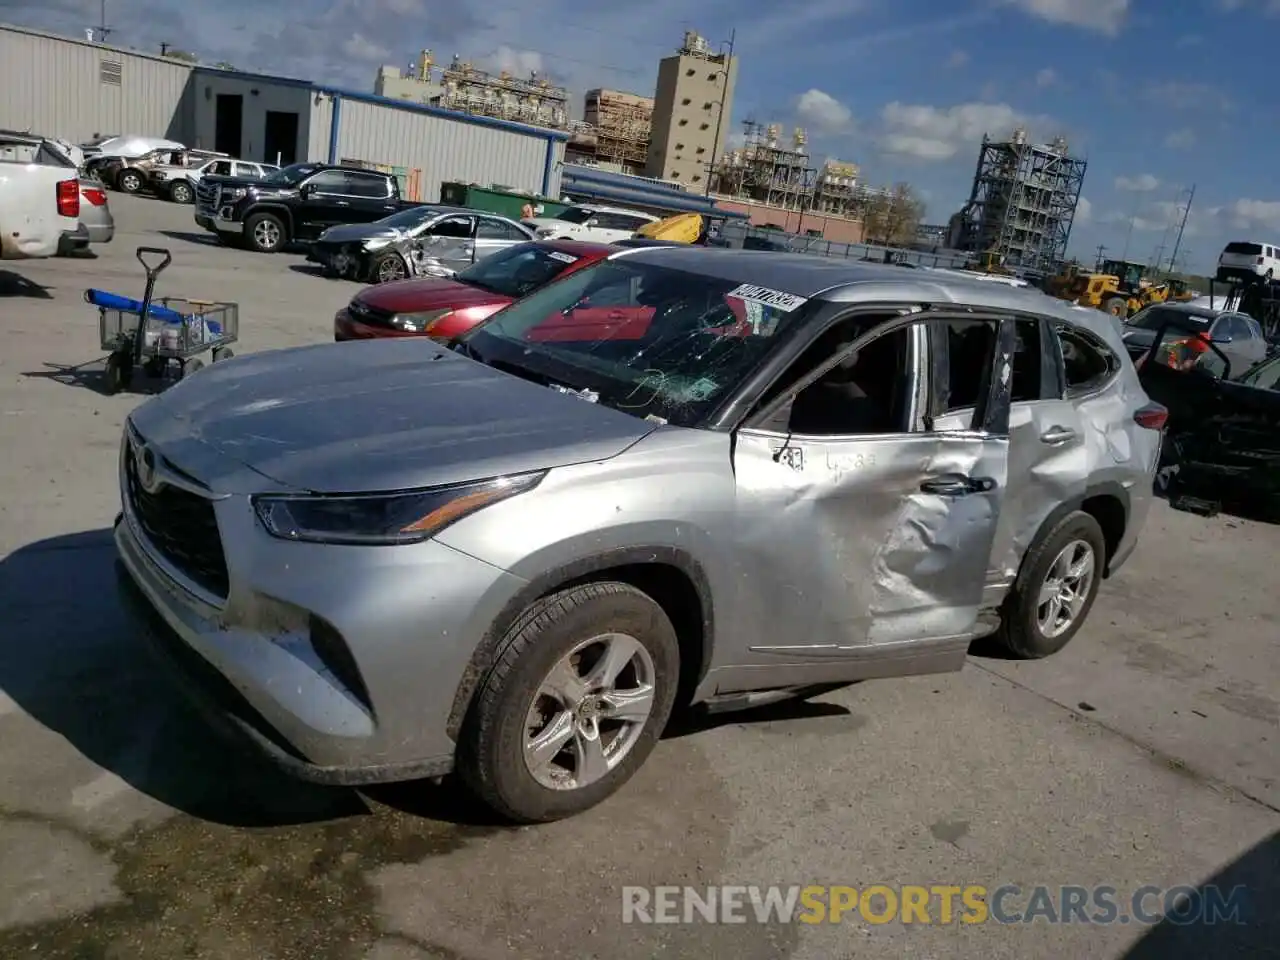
(1065, 590)
(266, 234)
(589, 711)
(391, 268)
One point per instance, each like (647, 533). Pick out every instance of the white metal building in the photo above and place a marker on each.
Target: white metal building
(76, 89)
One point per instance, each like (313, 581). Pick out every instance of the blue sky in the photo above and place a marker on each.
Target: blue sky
(906, 88)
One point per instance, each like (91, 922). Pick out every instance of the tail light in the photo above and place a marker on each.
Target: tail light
(1153, 416)
(95, 195)
(69, 198)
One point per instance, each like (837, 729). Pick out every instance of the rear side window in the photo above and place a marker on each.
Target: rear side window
(1087, 363)
(1248, 249)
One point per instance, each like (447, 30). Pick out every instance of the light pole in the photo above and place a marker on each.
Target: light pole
(724, 94)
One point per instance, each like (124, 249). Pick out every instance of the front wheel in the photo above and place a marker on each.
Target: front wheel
(1055, 589)
(129, 181)
(582, 688)
(181, 192)
(389, 267)
(264, 233)
(1118, 307)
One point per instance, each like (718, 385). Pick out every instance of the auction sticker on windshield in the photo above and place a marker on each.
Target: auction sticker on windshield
(766, 297)
(562, 257)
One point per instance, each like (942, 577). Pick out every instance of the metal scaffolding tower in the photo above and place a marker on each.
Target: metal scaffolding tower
(767, 170)
(1023, 202)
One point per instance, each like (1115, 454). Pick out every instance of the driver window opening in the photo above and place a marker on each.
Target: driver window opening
(867, 392)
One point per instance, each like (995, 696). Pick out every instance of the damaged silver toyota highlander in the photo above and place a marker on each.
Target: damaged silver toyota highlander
(679, 477)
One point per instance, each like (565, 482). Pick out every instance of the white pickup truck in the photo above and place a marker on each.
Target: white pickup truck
(38, 205)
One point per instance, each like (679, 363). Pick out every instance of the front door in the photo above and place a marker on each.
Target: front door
(324, 203)
(450, 241)
(863, 531)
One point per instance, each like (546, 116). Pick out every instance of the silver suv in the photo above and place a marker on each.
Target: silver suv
(678, 477)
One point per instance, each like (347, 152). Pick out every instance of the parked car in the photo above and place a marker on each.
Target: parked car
(746, 475)
(1238, 336)
(426, 240)
(443, 309)
(178, 182)
(136, 174)
(295, 204)
(39, 209)
(1248, 261)
(590, 222)
(97, 225)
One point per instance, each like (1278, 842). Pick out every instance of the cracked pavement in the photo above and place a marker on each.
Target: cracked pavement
(1148, 752)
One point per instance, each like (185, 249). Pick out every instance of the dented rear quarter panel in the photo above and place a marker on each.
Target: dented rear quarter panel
(30, 226)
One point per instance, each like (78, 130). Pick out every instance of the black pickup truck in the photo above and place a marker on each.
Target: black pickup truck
(293, 205)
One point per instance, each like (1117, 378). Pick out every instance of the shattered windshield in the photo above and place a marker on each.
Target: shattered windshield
(647, 340)
(1153, 318)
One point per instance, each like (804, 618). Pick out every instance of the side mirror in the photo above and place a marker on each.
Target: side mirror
(306, 191)
(1220, 338)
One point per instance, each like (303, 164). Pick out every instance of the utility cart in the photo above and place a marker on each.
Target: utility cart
(172, 337)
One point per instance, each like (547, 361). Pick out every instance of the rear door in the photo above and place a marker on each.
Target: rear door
(864, 524)
(492, 235)
(1046, 431)
(371, 197)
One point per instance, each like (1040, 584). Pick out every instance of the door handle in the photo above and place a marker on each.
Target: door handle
(1057, 435)
(957, 485)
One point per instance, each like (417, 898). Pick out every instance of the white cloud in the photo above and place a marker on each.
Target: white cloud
(823, 111)
(1084, 211)
(1180, 139)
(938, 133)
(957, 59)
(1046, 78)
(1185, 96)
(1142, 183)
(1102, 16)
(359, 47)
(1246, 214)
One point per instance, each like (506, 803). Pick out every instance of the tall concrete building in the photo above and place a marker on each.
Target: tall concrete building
(691, 111)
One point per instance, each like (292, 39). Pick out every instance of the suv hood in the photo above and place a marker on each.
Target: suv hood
(254, 182)
(381, 415)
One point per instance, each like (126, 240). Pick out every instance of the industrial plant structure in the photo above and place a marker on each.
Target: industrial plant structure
(768, 170)
(691, 107)
(615, 130)
(534, 100)
(1022, 204)
(836, 189)
(416, 83)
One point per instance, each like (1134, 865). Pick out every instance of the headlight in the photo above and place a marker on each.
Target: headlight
(234, 193)
(419, 322)
(160, 175)
(383, 519)
(376, 243)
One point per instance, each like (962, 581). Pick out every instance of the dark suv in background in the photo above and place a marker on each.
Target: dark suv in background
(293, 205)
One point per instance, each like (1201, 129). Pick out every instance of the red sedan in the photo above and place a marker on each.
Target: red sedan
(443, 309)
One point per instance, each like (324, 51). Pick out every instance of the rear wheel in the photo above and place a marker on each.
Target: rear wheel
(1118, 307)
(222, 353)
(582, 688)
(113, 376)
(1055, 588)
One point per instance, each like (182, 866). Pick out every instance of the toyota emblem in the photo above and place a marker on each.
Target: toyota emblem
(144, 460)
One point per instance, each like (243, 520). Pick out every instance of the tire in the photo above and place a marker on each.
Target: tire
(1021, 631)
(264, 233)
(129, 181)
(1117, 307)
(194, 365)
(389, 267)
(492, 748)
(221, 353)
(113, 377)
(182, 192)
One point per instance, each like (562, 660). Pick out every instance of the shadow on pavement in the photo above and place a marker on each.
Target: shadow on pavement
(310, 270)
(91, 375)
(15, 285)
(204, 239)
(697, 721)
(71, 660)
(1209, 932)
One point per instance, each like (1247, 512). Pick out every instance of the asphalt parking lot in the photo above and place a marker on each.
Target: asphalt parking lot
(1147, 753)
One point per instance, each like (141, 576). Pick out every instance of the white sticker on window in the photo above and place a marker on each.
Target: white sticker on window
(766, 297)
(562, 257)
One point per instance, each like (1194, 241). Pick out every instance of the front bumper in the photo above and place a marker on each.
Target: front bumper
(336, 662)
(218, 222)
